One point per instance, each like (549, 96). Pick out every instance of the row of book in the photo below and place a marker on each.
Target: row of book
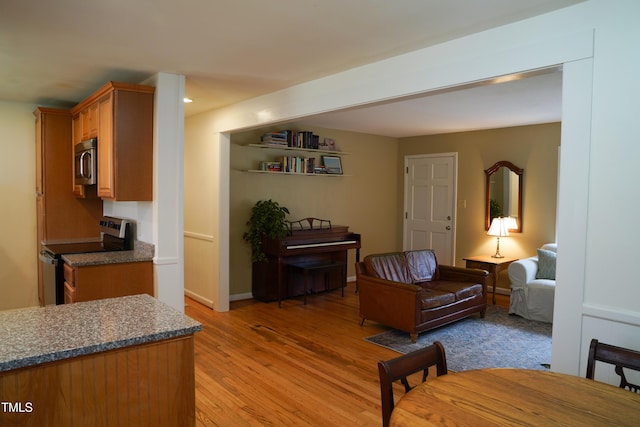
(293, 139)
(291, 164)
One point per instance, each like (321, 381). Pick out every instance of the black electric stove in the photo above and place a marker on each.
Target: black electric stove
(75, 248)
(116, 235)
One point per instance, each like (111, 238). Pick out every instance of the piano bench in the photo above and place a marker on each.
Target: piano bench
(307, 267)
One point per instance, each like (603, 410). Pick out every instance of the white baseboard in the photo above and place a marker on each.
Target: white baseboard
(240, 297)
(199, 298)
(249, 295)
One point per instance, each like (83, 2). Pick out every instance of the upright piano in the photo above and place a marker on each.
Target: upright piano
(310, 241)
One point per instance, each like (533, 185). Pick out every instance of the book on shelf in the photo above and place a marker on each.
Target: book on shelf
(276, 138)
(271, 166)
(297, 164)
(305, 139)
(274, 141)
(300, 139)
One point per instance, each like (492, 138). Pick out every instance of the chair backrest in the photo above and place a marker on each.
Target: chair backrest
(400, 367)
(618, 356)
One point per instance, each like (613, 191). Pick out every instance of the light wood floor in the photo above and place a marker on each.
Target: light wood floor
(297, 365)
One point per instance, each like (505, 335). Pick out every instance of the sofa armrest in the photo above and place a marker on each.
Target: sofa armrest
(523, 271)
(391, 303)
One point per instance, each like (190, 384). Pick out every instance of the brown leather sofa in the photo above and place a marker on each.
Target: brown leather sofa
(409, 291)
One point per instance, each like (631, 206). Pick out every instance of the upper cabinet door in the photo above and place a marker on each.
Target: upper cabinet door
(106, 187)
(76, 137)
(89, 119)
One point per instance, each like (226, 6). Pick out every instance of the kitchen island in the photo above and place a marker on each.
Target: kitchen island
(117, 361)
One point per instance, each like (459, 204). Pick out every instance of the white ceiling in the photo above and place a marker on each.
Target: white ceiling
(56, 53)
(525, 100)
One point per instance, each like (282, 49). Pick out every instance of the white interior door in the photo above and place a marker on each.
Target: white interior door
(430, 194)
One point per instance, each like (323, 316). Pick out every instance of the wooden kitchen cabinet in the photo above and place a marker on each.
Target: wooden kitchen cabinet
(89, 120)
(93, 282)
(106, 166)
(124, 115)
(60, 215)
(81, 130)
(76, 137)
(69, 293)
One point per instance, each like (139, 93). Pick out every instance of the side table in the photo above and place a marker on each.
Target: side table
(493, 265)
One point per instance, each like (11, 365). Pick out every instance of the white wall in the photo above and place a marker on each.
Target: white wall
(590, 264)
(161, 221)
(18, 241)
(611, 309)
(201, 237)
(168, 189)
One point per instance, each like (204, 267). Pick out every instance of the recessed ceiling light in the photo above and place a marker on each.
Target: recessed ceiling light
(187, 100)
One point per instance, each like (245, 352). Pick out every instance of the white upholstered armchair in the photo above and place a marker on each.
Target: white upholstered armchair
(533, 285)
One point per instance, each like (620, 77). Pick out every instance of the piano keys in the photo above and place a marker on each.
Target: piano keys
(314, 242)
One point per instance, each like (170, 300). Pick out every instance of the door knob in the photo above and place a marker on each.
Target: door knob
(448, 227)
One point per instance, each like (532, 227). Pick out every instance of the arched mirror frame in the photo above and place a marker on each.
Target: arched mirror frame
(493, 169)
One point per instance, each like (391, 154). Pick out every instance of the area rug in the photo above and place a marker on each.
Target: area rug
(499, 340)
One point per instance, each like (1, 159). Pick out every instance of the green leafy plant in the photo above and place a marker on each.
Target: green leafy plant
(267, 219)
(495, 210)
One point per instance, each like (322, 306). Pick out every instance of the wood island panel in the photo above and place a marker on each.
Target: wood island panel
(147, 384)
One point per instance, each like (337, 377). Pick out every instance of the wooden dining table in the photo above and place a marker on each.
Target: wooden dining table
(510, 397)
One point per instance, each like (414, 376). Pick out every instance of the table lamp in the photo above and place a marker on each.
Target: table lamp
(499, 228)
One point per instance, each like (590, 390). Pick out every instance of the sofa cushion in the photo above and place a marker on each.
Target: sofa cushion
(432, 298)
(546, 265)
(422, 265)
(461, 290)
(389, 266)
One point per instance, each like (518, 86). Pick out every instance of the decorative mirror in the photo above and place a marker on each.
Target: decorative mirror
(504, 193)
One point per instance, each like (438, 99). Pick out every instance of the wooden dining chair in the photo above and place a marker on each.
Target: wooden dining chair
(400, 367)
(618, 356)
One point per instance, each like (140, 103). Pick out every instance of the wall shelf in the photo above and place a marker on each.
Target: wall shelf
(332, 175)
(307, 150)
(276, 147)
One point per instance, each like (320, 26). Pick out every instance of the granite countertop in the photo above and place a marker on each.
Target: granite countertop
(31, 336)
(141, 252)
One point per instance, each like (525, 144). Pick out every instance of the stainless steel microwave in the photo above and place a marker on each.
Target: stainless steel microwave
(86, 162)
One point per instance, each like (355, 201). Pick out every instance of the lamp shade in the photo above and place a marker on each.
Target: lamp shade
(512, 223)
(499, 227)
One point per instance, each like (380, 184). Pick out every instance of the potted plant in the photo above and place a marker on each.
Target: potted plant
(267, 220)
